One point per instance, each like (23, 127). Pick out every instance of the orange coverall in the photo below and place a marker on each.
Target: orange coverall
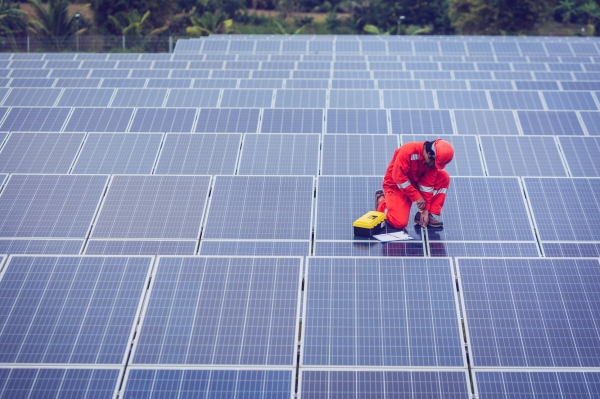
(406, 179)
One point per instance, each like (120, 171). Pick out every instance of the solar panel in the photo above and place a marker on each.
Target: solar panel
(591, 120)
(280, 154)
(34, 382)
(69, 73)
(230, 74)
(570, 100)
(255, 248)
(227, 121)
(60, 206)
(504, 210)
(190, 73)
(123, 83)
(466, 161)
(357, 121)
(261, 83)
(352, 84)
(421, 122)
(69, 309)
(106, 247)
(99, 120)
(292, 121)
(231, 321)
(170, 83)
(368, 248)
(517, 313)
(85, 98)
(398, 84)
(343, 199)
(351, 75)
(40, 152)
(449, 85)
(354, 99)
(549, 122)
(28, 73)
(292, 98)
(26, 82)
(378, 312)
(199, 154)
(214, 83)
(139, 98)
(557, 203)
(111, 73)
(522, 156)
(484, 249)
(521, 383)
(30, 97)
(276, 384)
(357, 155)
(411, 99)
(45, 247)
(516, 100)
(153, 207)
(163, 120)
(571, 250)
(580, 154)
(247, 98)
(115, 153)
(35, 119)
(535, 85)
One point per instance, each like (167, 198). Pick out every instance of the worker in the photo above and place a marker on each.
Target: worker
(416, 174)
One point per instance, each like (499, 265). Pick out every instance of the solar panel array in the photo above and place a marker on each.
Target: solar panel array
(179, 225)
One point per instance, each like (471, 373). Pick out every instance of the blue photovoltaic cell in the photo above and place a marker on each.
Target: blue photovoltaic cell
(352, 84)
(466, 161)
(490, 85)
(280, 154)
(163, 120)
(472, 99)
(570, 100)
(483, 249)
(357, 121)
(99, 120)
(378, 312)
(199, 154)
(591, 120)
(455, 99)
(354, 99)
(521, 156)
(298, 98)
(100, 247)
(227, 121)
(115, 153)
(27, 97)
(70, 310)
(522, 384)
(60, 206)
(572, 250)
(272, 384)
(306, 84)
(343, 199)
(412, 99)
(581, 154)
(292, 121)
(550, 122)
(585, 86)
(153, 207)
(35, 119)
(26, 82)
(122, 83)
(516, 100)
(254, 98)
(398, 84)
(85, 98)
(533, 85)
(368, 248)
(40, 152)
(351, 384)
(284, 203)
(55, 383)
(192, 98)
(421, 122)
(255, 248)
(558, 203)
(230, 320)
(531, 312)
(47, 247)
(497, 200)
(139, 98)
(357, 154)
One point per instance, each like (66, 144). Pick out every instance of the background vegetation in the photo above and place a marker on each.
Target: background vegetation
(141, 21)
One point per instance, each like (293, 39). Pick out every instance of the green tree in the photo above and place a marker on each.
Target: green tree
(498, 16)
(54, 22)
(567, 9)
(11, 22)
(208, 24)
(161, 12)
(133, 25)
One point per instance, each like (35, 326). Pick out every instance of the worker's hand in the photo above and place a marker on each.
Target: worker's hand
(424, 218)
(420, 203)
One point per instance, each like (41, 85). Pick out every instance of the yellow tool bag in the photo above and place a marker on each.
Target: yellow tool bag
(369, 224)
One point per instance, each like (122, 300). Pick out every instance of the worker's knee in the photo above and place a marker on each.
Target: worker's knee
(398, 220)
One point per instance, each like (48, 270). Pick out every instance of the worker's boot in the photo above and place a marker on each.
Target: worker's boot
(434, 220)
(378, 195)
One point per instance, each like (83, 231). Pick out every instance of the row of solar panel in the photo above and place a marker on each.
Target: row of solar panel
(249, 120)
(155, 383)
(279, 208)
(287, 154)
(391, 46)
(362, 312)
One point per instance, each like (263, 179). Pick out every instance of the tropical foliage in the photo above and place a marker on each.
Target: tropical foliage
(53, 21)
(11, 22)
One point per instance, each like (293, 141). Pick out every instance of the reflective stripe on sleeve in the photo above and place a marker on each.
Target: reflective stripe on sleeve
(426, 189)
(414, 157)
(440, 191)
(404, 185)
